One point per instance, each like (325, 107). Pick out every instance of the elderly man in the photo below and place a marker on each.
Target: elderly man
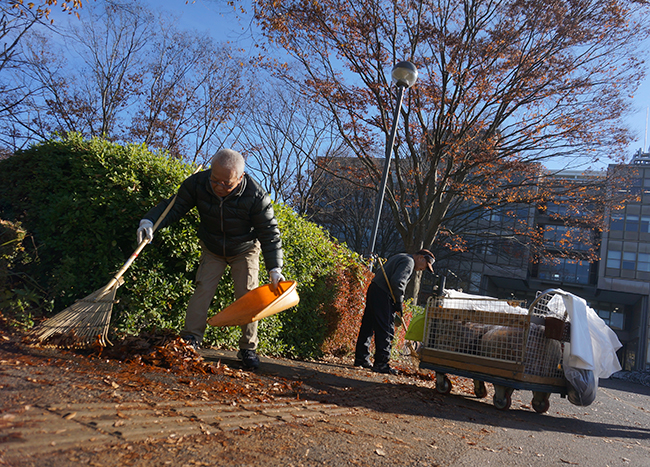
(236, 221)
(383, 300)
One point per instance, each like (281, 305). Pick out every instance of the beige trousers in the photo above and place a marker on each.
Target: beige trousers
(244, 269)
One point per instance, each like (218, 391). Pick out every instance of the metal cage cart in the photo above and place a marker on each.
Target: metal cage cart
(500, 342)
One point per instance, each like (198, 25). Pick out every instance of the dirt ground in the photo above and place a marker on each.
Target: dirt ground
(289, 412)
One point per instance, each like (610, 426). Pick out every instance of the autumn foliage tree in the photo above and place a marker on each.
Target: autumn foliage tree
(19, 17)
(504, 87)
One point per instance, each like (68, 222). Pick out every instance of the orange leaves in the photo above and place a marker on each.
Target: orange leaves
(161, 349)
(344, 317)
(454, 243)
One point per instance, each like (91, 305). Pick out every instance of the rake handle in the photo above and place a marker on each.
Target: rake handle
(145, 241)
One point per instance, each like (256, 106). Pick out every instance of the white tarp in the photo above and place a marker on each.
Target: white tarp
(593, 344)
(480, 303)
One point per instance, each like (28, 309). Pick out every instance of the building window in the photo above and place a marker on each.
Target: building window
(495, 215)
(614, 319)
(474, 282)
(616, 222)
(637, 184)
(614, 259)
(632, 223)
(617, 321)
(562, 237)
(643, 262)
(645, 224)
(556, 210)
(565, 270)
(629, 260)
(487, 248)
(553, 235)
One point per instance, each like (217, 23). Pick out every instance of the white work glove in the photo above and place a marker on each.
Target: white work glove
(145, 230)
(275, 276)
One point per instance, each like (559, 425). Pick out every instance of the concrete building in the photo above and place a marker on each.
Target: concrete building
(624, 271)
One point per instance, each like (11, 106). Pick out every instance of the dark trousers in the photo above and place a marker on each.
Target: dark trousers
(378, 319)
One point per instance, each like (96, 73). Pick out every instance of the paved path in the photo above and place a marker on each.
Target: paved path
(339, 416)
(50, 426)
(45, 429)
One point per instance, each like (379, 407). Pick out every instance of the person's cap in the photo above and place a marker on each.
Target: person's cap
(429, 257)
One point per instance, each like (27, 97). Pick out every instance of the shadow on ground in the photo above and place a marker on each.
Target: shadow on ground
(352, 387)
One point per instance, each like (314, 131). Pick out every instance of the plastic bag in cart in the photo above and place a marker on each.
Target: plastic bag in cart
(591, 352)
(582, 386)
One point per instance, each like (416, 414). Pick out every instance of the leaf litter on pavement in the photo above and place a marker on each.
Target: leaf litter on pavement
(155, 363)
(159, 364)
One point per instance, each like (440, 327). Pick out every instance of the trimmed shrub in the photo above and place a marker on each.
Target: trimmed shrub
(18, 292)
(80, 202)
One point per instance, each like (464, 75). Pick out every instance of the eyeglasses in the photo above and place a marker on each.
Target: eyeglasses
(227, 185)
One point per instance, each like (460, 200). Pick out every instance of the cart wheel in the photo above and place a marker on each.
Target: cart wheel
(540, 402)
(502, 397)
(502, 404)
(480, 390)
(443, 384)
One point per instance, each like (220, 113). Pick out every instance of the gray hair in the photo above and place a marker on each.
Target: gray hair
(229, 159)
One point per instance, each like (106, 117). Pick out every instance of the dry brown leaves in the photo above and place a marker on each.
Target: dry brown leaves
(163, 349)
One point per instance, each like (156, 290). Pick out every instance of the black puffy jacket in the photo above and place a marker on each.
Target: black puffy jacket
(230, 225)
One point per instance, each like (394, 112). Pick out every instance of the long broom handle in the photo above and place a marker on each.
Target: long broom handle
(145, 241)
(387, 281)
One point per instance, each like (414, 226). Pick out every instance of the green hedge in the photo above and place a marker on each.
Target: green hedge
(79, 203)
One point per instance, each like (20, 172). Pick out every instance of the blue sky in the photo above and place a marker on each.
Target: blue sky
(212, 16)
(641, 103)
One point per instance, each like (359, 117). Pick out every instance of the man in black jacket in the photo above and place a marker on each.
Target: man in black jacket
(236, 222)
(383, 300)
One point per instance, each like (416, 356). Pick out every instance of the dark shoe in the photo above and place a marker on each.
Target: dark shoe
(363, 363)
(249, 359)
(192, 342)
(384, 368)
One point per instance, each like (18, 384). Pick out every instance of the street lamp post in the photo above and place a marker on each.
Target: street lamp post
(404, 75)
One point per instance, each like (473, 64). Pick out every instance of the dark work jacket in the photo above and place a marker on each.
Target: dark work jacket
(399, 269)
(228, 226)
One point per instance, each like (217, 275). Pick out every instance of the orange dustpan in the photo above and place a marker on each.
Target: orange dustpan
(257, 304)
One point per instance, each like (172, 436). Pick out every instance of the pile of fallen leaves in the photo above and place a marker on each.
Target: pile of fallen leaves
(160, 348)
